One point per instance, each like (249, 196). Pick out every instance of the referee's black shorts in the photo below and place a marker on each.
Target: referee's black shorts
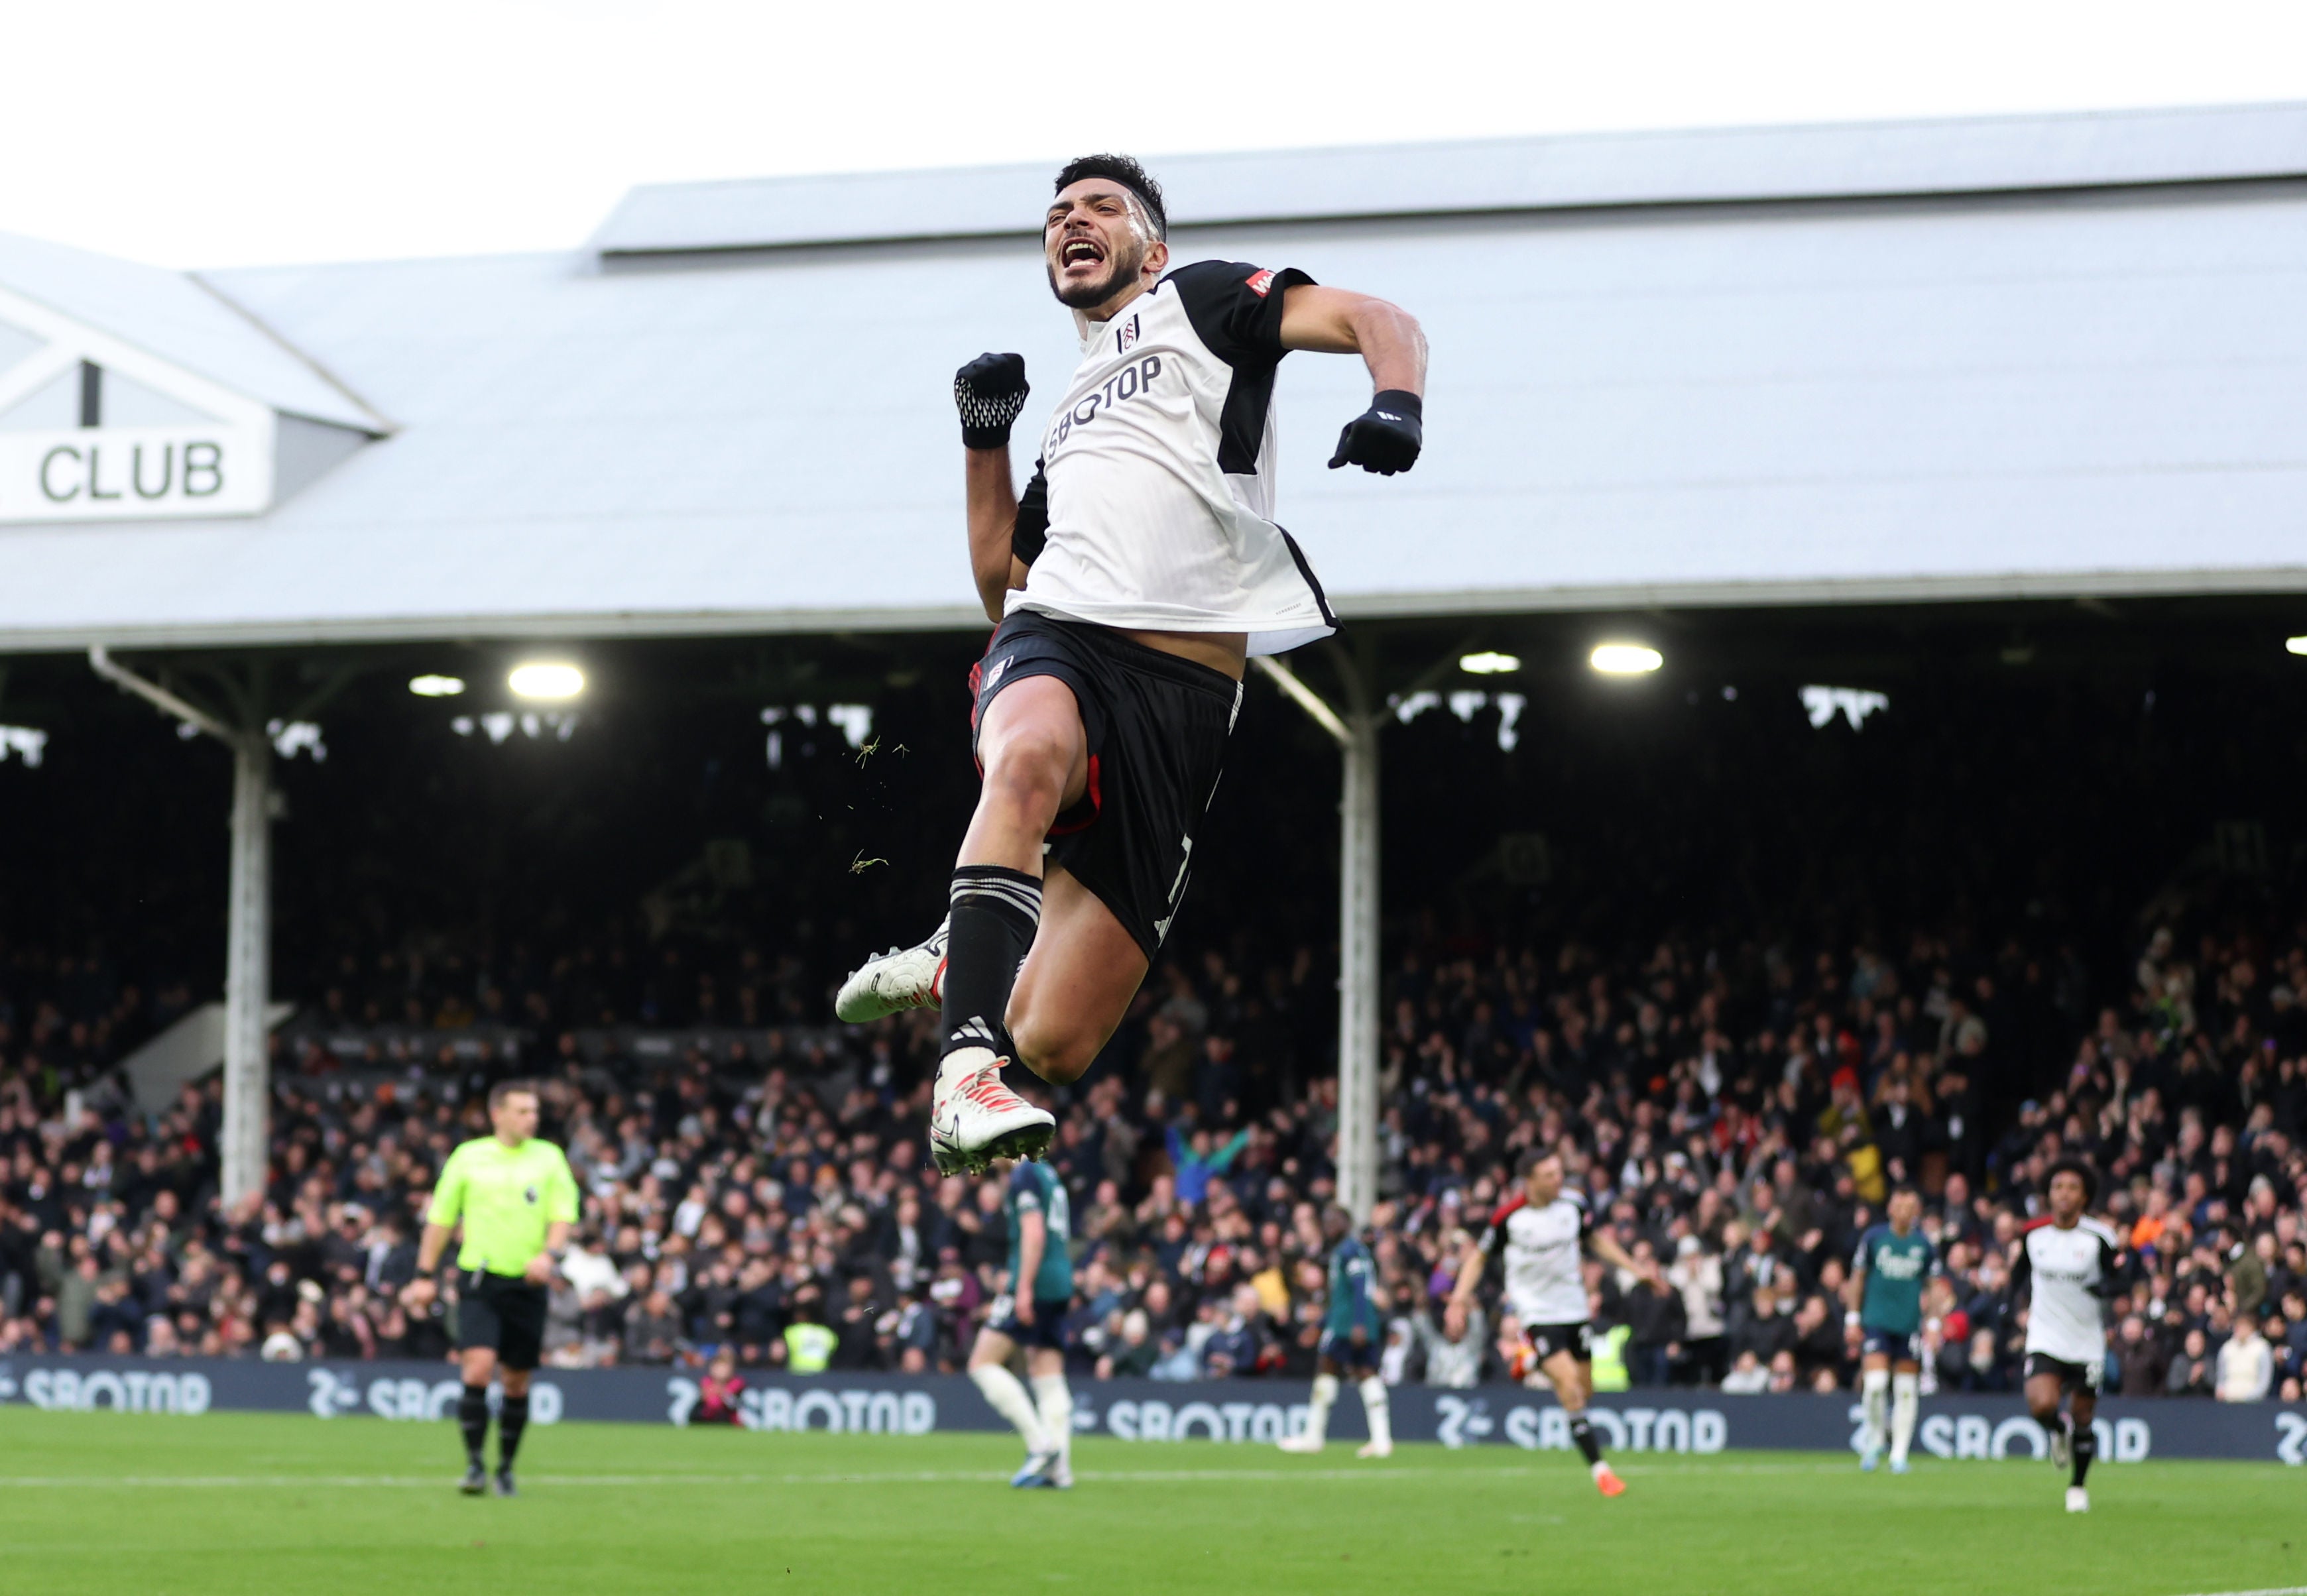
(1157, 727)
(504, 1313)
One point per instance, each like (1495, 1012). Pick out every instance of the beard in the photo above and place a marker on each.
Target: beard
(1121, 269)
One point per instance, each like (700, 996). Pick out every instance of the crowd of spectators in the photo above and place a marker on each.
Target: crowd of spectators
(1738, 1113)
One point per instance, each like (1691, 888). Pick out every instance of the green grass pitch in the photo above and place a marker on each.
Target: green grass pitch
(94, 1503)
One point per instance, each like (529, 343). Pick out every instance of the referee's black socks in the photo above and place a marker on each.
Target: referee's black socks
(512, 1418)
(995, 911)
(473, 1419)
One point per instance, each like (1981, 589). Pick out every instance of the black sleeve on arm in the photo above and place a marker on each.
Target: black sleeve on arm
(1235, 308)
(2022, 1274)
(1032, 531)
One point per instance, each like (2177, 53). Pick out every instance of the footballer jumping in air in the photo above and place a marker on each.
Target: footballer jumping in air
(1352, 1338)
(2068, 1264)
(1544, 1234)
(1885, 1296)
(1131, 582)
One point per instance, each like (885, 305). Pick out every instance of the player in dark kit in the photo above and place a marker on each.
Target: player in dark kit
(1041, 1291)
(1885, 1295)
(514, 1199)
(1353, 1337)
(1131, 582)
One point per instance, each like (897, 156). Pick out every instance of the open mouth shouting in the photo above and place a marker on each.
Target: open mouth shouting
(1079, 257)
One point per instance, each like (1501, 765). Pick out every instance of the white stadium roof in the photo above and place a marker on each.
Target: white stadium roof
(2028, 356)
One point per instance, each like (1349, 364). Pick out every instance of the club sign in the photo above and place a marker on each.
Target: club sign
(134, 472)
(95, 428)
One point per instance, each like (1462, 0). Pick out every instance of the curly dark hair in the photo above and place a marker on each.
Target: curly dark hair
(2081, 1171)
(1125, 171)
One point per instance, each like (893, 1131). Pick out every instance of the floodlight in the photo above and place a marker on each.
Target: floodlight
(1488, 664)
(2295, 645)
(435, 687)
(1625, 659)
(542, 678)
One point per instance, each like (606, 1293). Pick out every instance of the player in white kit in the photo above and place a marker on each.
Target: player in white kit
(1131, 581)
(1544, 1234)
(2068, 1264)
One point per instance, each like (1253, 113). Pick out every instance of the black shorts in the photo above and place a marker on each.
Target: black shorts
(504, 1313)
(1338, 1346)
(1046, 1332)
(1577, 1340)
(1157, 727)
(1899, 1346)
(2072, 1377)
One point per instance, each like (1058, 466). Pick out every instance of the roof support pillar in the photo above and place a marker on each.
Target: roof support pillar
(248, 976)
(248, 933)
(1356, 733)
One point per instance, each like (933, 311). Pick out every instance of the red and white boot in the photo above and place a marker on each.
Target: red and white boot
(974, 1118)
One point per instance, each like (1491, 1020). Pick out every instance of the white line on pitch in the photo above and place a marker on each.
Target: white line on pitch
(908, 1477)
(2270, 1591)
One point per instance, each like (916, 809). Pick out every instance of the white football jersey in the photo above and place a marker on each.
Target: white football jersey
(1545, 1253)
(1160, 466)
(2070, 1271)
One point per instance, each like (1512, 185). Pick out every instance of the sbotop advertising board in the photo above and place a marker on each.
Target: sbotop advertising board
(1231, 1413)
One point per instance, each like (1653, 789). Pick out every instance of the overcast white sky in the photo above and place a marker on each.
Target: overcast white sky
(254, 131)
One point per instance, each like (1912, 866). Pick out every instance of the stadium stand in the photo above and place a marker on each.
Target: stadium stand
(1760, 967)
(1738, 1113)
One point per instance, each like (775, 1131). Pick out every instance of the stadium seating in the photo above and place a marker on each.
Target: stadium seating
(1737, 1109)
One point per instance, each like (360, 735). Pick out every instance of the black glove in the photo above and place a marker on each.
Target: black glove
(989, 391)
(1387, 437)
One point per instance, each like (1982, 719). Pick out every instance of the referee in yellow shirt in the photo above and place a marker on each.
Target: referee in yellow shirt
(516, 1199)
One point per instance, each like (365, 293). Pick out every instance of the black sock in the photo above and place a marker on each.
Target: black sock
(994, 912)
(2085, 1449)
(1582, 1433)
(512, 1418)
(473, 1419)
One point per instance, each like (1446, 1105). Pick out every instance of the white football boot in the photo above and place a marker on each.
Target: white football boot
(2078, 1499)
(901, 978)
(1306, 1442)
(974, 1118)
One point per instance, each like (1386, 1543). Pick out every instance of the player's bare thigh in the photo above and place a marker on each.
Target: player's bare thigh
(991, 1347)
(2043, 1393)
(478, 1365)
(1570, 1379)
(1077, 982)
(1036, 757)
